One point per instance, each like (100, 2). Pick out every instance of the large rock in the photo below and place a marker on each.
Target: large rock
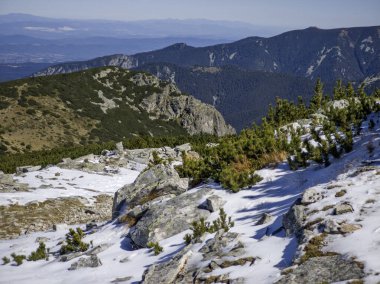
(158, 181)
(310, 196)
(193, 115)
(265, 218)
(167, 272)
(222, 250)
(325, 269)
(214, 203)
(343, 208)
(224, 244)
(293, 220)
(163, 220)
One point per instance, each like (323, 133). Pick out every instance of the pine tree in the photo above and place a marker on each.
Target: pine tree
(317, 99)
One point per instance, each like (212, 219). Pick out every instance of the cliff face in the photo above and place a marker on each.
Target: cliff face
(192, 114)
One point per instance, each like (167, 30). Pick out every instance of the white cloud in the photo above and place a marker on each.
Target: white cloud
(50, 30)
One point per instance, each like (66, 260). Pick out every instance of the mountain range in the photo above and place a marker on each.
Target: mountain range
(284, 65)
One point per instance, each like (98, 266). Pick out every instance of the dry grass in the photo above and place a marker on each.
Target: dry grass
(272, 159)
(340, 193)
(314, 248)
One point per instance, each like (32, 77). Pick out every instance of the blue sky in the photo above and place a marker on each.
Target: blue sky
(282, 13)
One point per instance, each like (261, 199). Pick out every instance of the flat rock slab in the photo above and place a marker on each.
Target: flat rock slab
(326, 269)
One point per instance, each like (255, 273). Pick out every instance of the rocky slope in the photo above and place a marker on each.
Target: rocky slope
(98, 105)
(312, 225)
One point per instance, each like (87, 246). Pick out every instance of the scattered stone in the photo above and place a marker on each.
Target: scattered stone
(325, 269)
(349, 228)
(214, 203)
(98, 249)
(224, 244)
(60, 227)
(121, 279)
(265, 218)
(41, 239)
(124, 260)
(343, 208)
(92, 261)
(27, 169)
(310, 196)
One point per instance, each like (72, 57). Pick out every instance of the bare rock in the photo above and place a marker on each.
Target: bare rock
(166, 219)
(167, 272)
(157, 181)
(293, 220)
(265, 218)
(310, 196)
(92, 261)
(325, 269)
(343, 208)
(214, 203)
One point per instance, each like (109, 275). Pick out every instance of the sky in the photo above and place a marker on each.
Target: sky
(280, 13)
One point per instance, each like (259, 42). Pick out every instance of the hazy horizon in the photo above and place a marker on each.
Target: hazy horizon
(287, 14)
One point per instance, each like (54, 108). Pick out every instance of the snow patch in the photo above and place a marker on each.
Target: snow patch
(232, 55)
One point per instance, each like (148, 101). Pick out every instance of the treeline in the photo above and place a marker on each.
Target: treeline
(9, 162)
(333, 120)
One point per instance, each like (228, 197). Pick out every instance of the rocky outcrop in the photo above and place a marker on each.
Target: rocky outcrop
(32, 217)
(293, 220)
(160, 180)
(326, 269)
(224, 250)
(192, 114)
(163, 220)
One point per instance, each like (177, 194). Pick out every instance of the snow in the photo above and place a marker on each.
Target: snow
(275, 194)
(232, 55)
(368, 39)
(211, 58)
(46, 184)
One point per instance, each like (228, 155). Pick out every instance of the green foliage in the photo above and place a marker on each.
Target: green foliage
(18, 258)
(74, 242)
(6, 260)
(157, 249)
(40, 253)
(202, 227)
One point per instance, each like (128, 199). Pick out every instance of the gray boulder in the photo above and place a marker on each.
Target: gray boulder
(167, 272)
(214, 203)
(325, 269)
(343, 208)
(224, 244)
(27, 169)
(293, 220)
(163, 220)
(310, 196)
(265, 218)
(92, 261)
(157, 181)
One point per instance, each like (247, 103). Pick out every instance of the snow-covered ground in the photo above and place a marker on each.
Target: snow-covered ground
(275, 194)
(56, 182)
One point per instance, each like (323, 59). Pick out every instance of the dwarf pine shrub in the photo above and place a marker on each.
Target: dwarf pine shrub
(157, 249)
(74, 242)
